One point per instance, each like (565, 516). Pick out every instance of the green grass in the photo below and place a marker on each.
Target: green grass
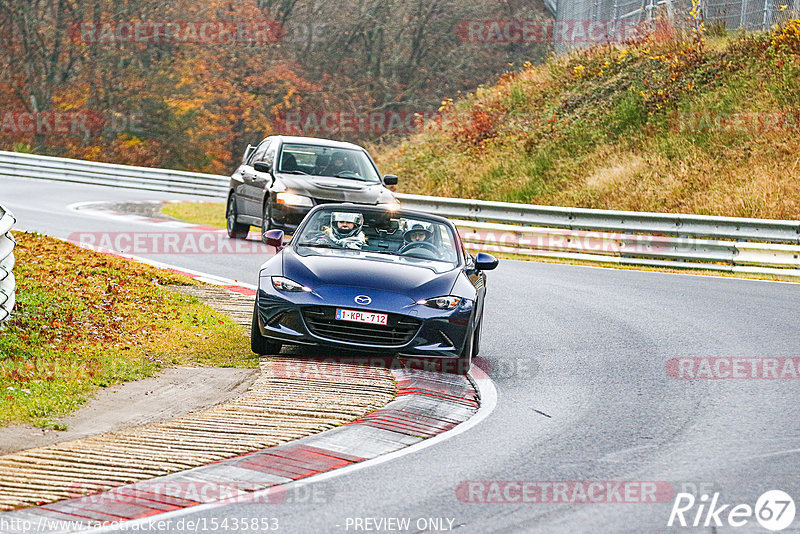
(84, 320)
(207, 213)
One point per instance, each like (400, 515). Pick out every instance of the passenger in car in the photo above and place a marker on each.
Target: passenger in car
(345, 230)
(289, 163)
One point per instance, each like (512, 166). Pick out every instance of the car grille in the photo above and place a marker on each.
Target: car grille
(400, 329)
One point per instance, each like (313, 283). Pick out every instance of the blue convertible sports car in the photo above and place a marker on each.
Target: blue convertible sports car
(369, 279)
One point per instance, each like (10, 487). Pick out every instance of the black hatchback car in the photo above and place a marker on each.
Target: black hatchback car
(283, 178)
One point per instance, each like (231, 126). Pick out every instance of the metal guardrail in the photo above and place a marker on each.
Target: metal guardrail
(91, 172)
(673, 224)
(730, 244)
(7, 281)
(724, 244)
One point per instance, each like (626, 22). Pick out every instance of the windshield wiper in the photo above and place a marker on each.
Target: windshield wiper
(298, 171)
(356, 177)
(317, 245)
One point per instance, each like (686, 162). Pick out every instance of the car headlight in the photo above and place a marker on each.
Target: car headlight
(391, 206)
(441, 303)
(285, 284)
(290, 199)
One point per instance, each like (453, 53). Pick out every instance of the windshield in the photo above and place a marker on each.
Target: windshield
(326, 161)
(382, 236)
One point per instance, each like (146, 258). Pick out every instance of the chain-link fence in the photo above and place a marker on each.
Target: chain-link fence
(6, 264)
(618, 19)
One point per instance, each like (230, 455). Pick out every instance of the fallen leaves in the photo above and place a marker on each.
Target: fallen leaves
(84, 320)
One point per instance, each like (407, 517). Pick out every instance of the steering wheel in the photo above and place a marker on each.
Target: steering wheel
(419, 244)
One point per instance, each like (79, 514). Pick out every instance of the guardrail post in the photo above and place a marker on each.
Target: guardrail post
(743, 16)
(765, 25)
(7, 281)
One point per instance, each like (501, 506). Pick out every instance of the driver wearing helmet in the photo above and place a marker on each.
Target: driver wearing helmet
(419, 237)
(417, 233)
(345, 230)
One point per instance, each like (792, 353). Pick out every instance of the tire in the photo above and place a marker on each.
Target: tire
(235, 230)
(266, 219)
(258, 343)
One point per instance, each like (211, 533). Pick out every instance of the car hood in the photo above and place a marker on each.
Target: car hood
(337, 189)
(319, 270)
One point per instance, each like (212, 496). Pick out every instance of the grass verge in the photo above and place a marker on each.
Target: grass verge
(85, 320)
(207, 213)
(693, 124)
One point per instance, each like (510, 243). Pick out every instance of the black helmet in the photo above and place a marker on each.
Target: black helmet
(344, 216)
(415, 229)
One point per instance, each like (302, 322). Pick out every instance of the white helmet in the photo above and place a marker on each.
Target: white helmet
(344, 216)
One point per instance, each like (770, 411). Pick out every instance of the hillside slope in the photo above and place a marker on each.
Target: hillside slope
(697, 124)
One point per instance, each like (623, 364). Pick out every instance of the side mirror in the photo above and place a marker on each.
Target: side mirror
(485, 262)
(262, 166)
(274, 238)
(390, 179)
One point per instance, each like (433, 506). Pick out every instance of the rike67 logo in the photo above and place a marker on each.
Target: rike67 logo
(774, 510)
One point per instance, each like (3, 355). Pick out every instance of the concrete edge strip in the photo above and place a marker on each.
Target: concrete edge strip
(266, 476)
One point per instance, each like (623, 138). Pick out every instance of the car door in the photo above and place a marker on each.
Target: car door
(237, 181)
(264, 180)
(254, 182)
(476, 277)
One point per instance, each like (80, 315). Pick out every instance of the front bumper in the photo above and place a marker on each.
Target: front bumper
(289, 318)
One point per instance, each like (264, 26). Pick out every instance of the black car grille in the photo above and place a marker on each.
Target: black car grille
(399, 330)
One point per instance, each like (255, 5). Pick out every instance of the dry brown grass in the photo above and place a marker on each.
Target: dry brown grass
(593, 130)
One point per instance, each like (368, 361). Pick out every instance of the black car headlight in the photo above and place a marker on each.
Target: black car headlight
(448, 302)
(281, 283)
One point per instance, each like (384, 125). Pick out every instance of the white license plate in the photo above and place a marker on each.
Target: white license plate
(362, 317)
